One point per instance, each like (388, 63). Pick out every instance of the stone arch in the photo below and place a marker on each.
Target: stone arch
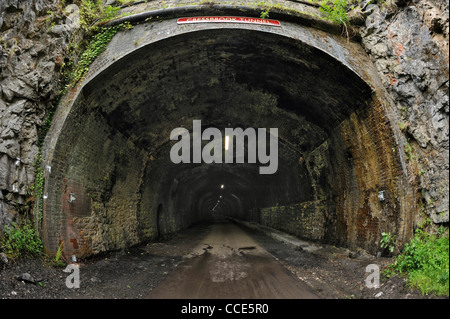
(109, 142)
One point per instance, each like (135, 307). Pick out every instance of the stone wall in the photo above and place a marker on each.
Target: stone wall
(348, 174)
(305, 220)
(360, 174)
(103, 172)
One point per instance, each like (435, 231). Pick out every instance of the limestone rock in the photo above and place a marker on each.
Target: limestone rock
(29, 53)
(413, 66)
(27, 278)
(3, 258)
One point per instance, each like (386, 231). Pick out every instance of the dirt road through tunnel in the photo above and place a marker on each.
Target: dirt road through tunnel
(229, 263)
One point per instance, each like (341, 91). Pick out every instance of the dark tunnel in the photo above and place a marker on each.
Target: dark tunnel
(113, 153)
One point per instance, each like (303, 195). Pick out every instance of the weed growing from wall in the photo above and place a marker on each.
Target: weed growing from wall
(93, 42)
(97, 44)
(336, 11)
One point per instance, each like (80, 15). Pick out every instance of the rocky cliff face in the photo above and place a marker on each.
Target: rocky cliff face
(33, 36)
(407, 40)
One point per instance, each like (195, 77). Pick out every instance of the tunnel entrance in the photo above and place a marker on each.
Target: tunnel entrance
(110, 143)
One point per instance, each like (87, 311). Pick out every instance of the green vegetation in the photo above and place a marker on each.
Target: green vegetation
(95, 46)
(425, 262)
(409, 152)
(265, 14)
(57, 260)
(123, 2)
(336, 11)
(93, 12)
(95, 39)
(388, 241)
(403, 126)
(20, 240)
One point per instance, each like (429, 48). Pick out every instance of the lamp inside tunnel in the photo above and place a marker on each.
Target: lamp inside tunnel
(259, 146)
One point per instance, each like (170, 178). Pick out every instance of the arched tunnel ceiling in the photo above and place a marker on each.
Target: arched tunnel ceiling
(227, 77)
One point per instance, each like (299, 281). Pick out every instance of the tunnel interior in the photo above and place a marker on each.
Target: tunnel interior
(113, 155)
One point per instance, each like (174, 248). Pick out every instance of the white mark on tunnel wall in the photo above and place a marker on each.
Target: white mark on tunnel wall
(72, 198)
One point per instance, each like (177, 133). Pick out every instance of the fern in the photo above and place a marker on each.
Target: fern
(336, 12)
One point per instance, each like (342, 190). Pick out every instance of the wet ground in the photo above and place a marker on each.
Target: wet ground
(229, 263)
(221, 260)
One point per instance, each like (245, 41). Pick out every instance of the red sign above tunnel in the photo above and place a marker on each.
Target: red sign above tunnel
(226, 19)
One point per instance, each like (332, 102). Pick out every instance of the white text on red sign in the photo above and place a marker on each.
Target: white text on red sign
(222, 19)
